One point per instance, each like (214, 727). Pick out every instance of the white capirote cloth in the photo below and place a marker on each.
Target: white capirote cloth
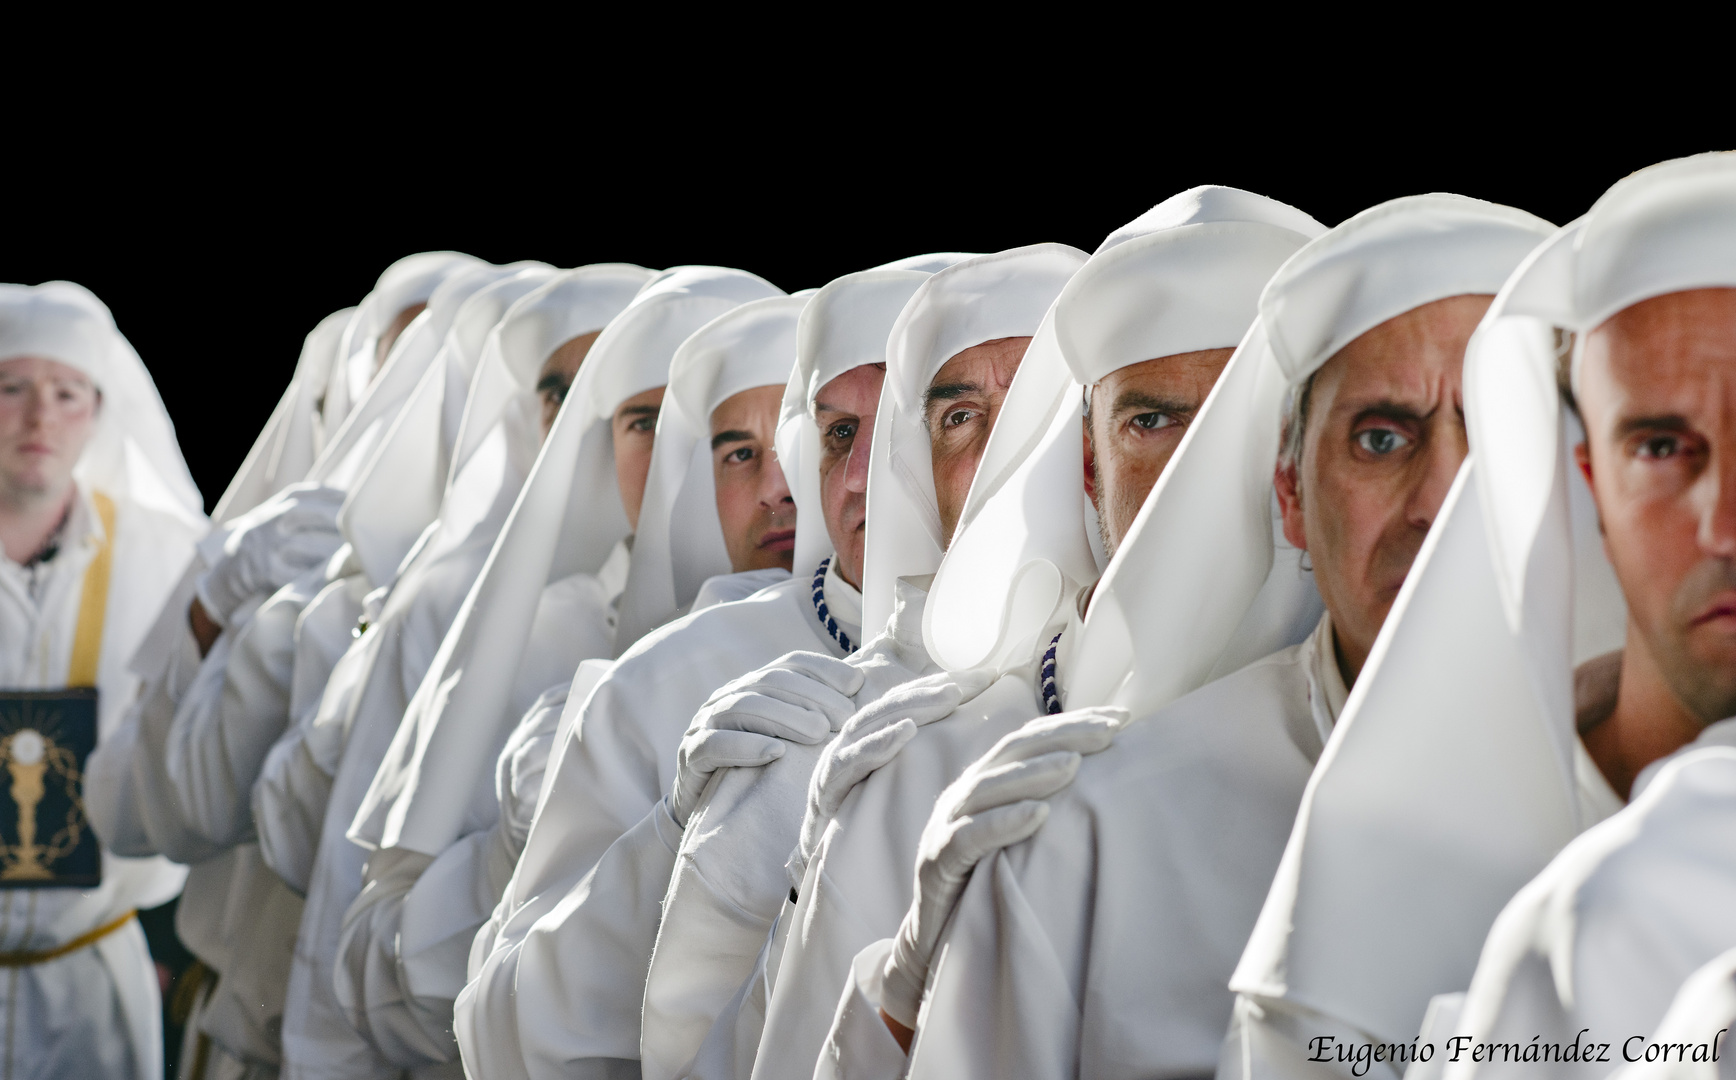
(406, 283)
(679, 543)
(616, 914)
(1457, 759)
(94, 1011)
(370, 688)
(702, 959)
(730, 882)
(557, 972)
(401, 475)
(294, 433)
(1552, 956)
(1188, 279)
(982, 299)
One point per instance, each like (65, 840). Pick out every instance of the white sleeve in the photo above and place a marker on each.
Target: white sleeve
(295, 781)
(999, 1000)
(566, 995)
(123, 803)
(220, 739)
(859, 1046)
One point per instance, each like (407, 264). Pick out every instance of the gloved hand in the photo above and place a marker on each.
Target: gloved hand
(802, 697)
(870, 739)
(995, 803)
(270, 545)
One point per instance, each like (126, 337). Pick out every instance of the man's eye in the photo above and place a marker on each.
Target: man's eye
(1152, 421)
(841, 431)
(957, 417)
(1659, 447)
(740, 454)
(1381, 441)
(644, 423)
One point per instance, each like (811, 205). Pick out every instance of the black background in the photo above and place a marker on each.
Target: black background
(219, 238)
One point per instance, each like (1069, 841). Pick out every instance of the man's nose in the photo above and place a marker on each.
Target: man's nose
(856, 468)
(774, 487)
(1442, 455)
(1718, 513)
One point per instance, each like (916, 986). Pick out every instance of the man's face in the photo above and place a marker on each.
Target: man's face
(1138, 415)
(960, 407)
(389, 336)
(844, 410)
(754, 505)
(634, 426)
(47, 413)
(556, 376)
(1658, 395)
(1383, 440)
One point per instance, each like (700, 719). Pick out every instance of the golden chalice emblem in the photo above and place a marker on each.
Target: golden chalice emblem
(31, 756)
(27, 760)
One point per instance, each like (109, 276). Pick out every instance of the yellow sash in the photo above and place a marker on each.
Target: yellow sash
(93, 600)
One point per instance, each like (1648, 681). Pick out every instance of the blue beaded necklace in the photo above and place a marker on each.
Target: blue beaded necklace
(1051, 695)
(824, 613)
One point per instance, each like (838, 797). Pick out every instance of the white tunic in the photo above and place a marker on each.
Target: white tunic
(858, 885)
(729, 884)
(193, 768)
(604, 797)
(1103, 946)
(1605, 935)
(318, 1041)
(406, 939)
(1699, 1020)
(95, 1011)
(290, 794)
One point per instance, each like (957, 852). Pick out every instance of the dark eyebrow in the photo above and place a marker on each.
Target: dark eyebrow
(552, 381)
(1390, 410)
(730, 436)
(948, 392)
(1665, 422)
(821, 406)
(639, 410)
(1130, 400)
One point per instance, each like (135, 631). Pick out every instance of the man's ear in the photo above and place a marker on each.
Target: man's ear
(1582, 458)
(1289, 490)
(1090, 462)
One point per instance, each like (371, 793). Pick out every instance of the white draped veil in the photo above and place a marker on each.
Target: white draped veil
(667, 313)
(1448, 780)
(397, 489)
(986, 298)
(567, 520)
(132, 453)
(286, 447)
(445, 748)
(679, 542)
(1668, 228)
(359, 403)
(1184, 276)
(843, 327)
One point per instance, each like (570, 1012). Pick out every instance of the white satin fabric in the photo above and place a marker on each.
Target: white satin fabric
(557, 971)
(1607, 933)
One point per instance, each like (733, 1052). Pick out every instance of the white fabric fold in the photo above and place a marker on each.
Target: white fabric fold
(679, 543)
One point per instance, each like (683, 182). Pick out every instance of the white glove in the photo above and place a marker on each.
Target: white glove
(995, 803)
(270, 546)
(870, 739)
(802, 698)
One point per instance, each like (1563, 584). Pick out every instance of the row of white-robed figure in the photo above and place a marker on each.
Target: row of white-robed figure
(1251, 648)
